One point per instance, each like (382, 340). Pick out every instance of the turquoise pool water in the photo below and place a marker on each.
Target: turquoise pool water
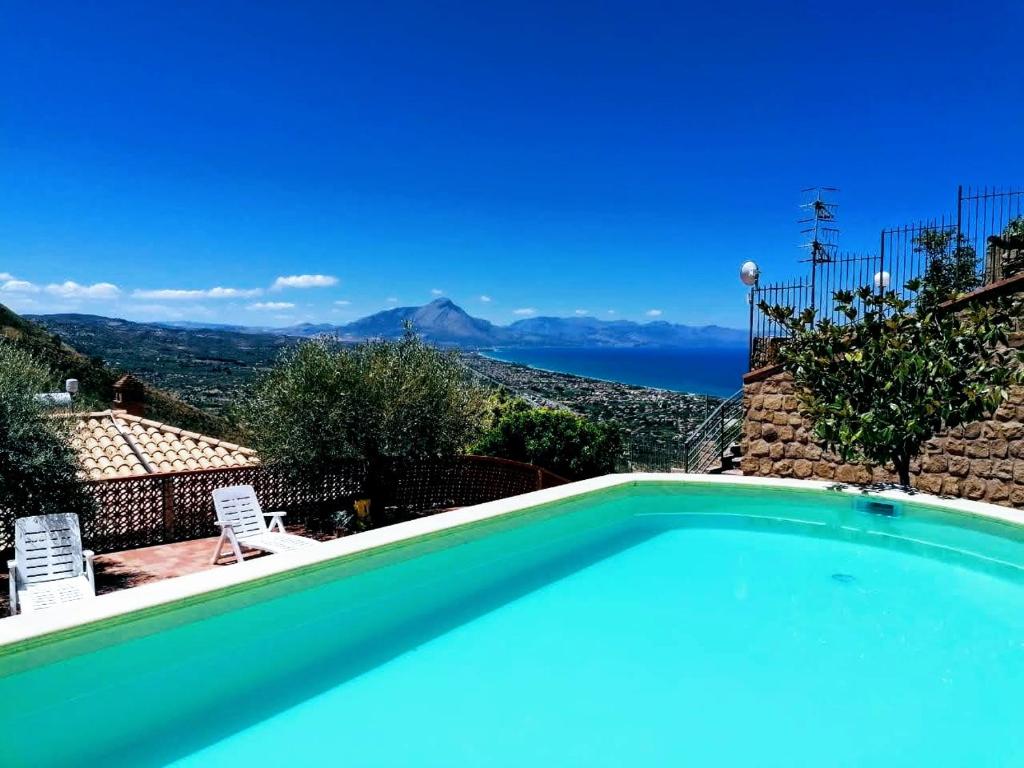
(648, 626)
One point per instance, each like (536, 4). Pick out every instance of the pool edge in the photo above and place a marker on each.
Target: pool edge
(19, 633)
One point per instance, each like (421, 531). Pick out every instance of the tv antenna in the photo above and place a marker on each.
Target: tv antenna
(819, 226)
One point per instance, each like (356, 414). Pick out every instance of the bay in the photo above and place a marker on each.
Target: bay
(714, 371)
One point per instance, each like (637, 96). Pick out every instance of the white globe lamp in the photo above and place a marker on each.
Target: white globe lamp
(749, 273)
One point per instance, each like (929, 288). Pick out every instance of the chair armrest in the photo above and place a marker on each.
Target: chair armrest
(12, 578)
(88, 555)
(223, 524)
(275, 520)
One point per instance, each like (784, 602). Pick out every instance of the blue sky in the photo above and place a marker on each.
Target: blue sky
(620, 159)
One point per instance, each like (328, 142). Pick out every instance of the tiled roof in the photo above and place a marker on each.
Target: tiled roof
(116, 444)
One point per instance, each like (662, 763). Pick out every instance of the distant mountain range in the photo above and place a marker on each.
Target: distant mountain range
(444, 322)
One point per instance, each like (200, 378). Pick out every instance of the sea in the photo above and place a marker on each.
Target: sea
(717, 371)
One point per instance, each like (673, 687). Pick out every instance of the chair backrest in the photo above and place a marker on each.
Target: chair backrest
(238, 505)
(48, 548)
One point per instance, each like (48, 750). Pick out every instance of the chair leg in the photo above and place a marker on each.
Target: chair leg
(229, 535)
(220, 546)
(234, 546)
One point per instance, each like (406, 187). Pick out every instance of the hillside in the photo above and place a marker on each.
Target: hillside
(97, 379)
(205, 367)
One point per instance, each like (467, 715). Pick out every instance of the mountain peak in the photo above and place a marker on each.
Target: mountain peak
(445, 303)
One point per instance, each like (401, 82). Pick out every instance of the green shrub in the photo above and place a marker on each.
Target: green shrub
(878, 389)
(38, 467)
(559, 441)
(325, 403)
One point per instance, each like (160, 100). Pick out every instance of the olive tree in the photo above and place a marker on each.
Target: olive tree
(326, 403)
(880, 387)
(39, 472)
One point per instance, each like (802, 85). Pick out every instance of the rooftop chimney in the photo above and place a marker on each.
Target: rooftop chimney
(130, 396)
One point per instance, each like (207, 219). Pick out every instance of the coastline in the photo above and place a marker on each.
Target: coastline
(713, 386)
(664, 415)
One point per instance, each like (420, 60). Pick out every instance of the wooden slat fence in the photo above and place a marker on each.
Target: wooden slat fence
(155, 509)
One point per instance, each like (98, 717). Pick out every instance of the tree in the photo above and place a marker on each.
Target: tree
(39, 472)
(559, 441)
(949, 270)
(324, 404)
(877, 389)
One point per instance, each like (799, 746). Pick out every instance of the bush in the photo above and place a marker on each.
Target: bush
(878, 389)
(38, 467)
(559, 441)
(324, 404)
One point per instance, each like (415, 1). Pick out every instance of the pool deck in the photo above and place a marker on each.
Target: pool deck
(121, 570)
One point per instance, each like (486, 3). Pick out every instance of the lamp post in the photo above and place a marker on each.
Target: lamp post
(749, 274)
(882, 280)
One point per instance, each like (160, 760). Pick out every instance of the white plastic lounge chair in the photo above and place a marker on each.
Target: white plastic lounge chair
(241, 523)
(49, 568)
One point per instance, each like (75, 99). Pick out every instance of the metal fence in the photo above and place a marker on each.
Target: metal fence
(156, 509)
(985, 231)
(700, 451)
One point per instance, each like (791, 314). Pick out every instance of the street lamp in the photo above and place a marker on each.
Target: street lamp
(749, 273)
(882, 280)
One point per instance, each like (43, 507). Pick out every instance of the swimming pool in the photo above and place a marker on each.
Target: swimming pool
(633, 620)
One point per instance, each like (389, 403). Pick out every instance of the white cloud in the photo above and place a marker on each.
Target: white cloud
(485, 299)
(69, 289)
(525, 311)
(17, 286)
(391, 300)
(436, 292)
(304, 281)
(272, 305)
(6, 276)
(183, 294)
(653, 313)
(580, 312)
(342, 303)
(611, 312)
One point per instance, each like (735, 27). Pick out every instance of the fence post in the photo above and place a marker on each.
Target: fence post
(959, 210)
(750, 338)
(881, 262)
(167, 492)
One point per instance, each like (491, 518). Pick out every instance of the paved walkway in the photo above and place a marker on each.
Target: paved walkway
(121, 570)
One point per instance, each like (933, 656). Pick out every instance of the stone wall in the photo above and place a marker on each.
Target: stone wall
(981, 461)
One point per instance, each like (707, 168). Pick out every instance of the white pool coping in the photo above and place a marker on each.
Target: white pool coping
(17, 629)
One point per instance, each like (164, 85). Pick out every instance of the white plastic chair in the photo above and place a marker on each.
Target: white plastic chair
(242, 523)
(49, 568)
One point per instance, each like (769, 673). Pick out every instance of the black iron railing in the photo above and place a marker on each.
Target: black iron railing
(700, 451)
(986, 233)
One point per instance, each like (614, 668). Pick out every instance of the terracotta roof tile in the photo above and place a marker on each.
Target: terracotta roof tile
(105, 451)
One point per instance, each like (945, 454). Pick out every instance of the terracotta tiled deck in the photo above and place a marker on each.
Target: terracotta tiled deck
(121, 570)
